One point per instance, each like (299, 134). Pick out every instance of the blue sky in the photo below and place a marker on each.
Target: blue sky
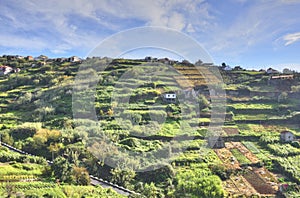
(250, 33)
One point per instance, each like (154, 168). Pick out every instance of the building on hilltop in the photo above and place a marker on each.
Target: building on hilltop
(74, 59)
(282, 77)
(29, 58)
(4, 70)
(41, 58)
(281, 80)
(272, 71)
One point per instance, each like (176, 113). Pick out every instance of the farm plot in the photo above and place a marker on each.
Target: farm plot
(238, 186)
(239, 156)
(235, 150)
(258, 129)
(249, 155)
(259, 184)
(227, 158)
(254, 180)
(231, 130)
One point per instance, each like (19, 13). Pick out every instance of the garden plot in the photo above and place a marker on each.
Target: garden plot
(195, 76)
(249, 155)
(226, 157)
(259, 184)
(254, 180)
(231, 130)
(258, 129)
(238, 186)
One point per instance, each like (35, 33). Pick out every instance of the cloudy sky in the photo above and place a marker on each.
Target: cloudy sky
(250, 33)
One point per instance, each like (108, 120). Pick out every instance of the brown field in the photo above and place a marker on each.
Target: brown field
(253, 181)
(231, 131)
(259, 184)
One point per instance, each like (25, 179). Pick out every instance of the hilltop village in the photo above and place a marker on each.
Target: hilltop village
(148, 110)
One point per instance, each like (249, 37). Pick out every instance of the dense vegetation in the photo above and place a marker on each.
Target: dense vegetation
(133, 127)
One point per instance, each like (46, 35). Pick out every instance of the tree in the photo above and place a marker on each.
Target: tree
(151, 191)
(199, 62)
(10, 190)
(199, 182)
(203, 102)
(22, 132)
(159, 173)
(287, 71)
(110, 112)
(123, 176)
(25, 99)
(102, 149)
(296, 88)
(81, 176)
(283, 97)
(136, 118)
(54, 148)
(62, 169)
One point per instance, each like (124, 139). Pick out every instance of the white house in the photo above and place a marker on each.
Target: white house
(169, 97)
(74, 59)
(272, 71)
(227, 68)
(287, 136)
(4, 70)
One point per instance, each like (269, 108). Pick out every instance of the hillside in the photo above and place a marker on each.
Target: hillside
(145, 124)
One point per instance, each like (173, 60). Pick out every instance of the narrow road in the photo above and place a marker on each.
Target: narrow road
(94, 180)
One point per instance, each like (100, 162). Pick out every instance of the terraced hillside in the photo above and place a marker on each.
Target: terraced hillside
(113, 119)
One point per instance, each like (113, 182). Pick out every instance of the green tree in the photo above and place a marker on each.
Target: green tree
(203, 102)
(136, 118)
(122, 176)
(151, 191)
(199, 182)
(62, 170)
(81, 176)
(283, 97)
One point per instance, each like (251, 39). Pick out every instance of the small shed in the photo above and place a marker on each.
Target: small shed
(216, 142)
(169, 97)
(287, 136)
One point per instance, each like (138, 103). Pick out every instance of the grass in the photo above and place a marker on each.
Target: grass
(251, 117)
(42, 189)
(204, 120)
(253, 106)
(257, 129)
(247, 72)
(18, 169)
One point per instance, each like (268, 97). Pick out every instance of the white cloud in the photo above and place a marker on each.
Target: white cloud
(257, 25)
(291, 38)
(62, 25)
